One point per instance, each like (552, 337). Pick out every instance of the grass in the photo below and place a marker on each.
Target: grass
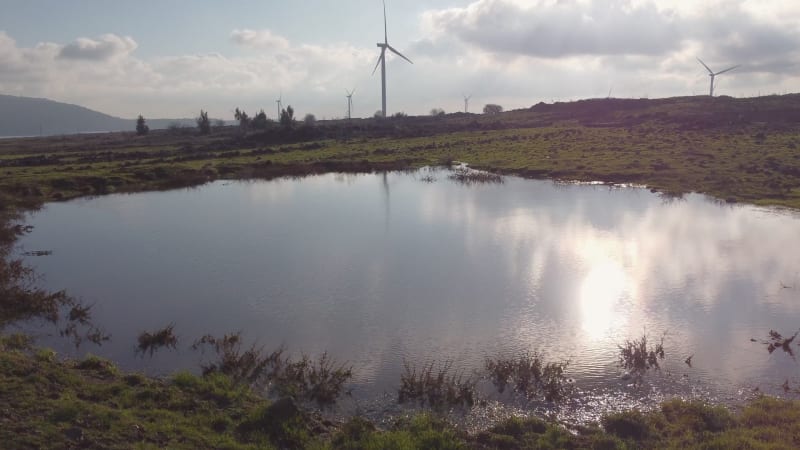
(738, 150)
(53, 403)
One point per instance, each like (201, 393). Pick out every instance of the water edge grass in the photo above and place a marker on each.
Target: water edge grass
(53, 403)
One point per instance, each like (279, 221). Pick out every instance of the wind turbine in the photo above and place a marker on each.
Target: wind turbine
(713, 75)
(382, 59)
(278, 101)
(349, 102)
(466, 102)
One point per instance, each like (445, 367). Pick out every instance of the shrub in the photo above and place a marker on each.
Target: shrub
(492, 109)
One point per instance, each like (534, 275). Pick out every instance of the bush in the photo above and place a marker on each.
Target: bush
(310, 121)
(492, 109)
(627, 425)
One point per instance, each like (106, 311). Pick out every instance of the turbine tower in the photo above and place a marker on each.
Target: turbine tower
(382, 59)
(280, 105)
(713, 75)
(466, 102)
(349, 102)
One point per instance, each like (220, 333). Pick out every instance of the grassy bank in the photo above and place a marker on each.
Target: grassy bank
(735, 149)
(52, 403)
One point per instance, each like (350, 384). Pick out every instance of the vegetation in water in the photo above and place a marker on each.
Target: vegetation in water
(151, 342)
(21, 299)
(530, 375)
(637, 356)
(467, 176)
(777, 341)
(320, 381)
(436, 385)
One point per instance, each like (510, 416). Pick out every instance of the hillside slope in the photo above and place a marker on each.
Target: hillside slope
(27, 116)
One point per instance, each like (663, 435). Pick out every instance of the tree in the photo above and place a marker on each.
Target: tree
(399, 115)
(378, 114)
(203, 123)
(242, 118)
(287, 118)
(260, 121)
(141, 126)
(492, 109)
(437, 112)
(310, 120)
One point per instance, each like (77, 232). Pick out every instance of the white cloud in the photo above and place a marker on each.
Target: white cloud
(554, 29)
(726, 31)
(263, 39)
(105, 47)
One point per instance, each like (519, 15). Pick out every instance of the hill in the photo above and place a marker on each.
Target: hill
(27, 116)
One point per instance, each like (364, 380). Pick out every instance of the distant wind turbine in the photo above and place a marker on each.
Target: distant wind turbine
(280, 105)
(382, 59)
(349, 102)
(466, 102)
(713, 75)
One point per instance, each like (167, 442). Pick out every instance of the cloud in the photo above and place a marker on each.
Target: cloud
(262, 39)
(103, 48)
(105, 74)
(729, 31)
(554, 29)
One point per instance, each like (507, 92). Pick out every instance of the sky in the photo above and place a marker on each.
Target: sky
(171, 58)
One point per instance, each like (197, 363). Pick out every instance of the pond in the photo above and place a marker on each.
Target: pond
(378, 269)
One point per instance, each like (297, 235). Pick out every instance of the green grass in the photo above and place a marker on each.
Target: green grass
(743, 150)
(50, 403)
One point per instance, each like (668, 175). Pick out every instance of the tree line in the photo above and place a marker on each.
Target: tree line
(286, 120)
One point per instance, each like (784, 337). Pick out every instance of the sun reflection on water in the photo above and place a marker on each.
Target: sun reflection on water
(601, 292)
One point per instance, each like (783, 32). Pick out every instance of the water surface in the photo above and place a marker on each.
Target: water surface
(381, 268)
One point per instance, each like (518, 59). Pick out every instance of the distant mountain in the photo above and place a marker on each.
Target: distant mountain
(27, 116)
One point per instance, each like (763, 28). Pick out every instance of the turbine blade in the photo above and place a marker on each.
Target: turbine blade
(704, 65)
(727, 70)
(385, 28)
(383, 53)
(398, 53)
